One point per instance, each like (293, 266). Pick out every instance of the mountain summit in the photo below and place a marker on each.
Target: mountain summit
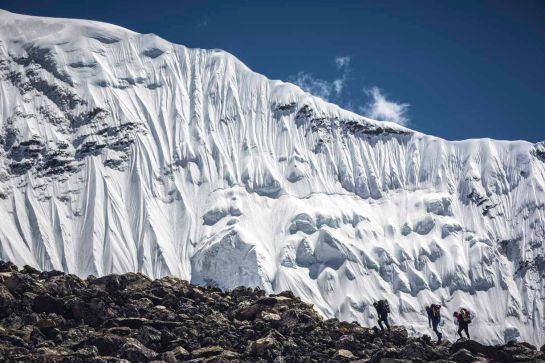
(123, 152)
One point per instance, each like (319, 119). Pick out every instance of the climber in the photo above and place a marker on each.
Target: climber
(463, 318)
(383, 309)
(434, 318)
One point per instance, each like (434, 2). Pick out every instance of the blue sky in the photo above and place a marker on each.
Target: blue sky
(455, 69)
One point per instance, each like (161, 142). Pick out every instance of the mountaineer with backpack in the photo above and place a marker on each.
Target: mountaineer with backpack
(434, 318)
(383, 309)
(463, 318)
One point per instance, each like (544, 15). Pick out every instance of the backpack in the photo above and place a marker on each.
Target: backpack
(384, 306)
(466, 315)
(436, 310)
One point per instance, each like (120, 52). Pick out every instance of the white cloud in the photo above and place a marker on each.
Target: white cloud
(338, 85)
(315, 86)
(342, 62)
(380, 108)
(327, 90)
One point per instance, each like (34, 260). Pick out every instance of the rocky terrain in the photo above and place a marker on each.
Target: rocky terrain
(55, 317)
(123, 152)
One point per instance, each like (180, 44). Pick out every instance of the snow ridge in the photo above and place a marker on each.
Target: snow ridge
(124, 152)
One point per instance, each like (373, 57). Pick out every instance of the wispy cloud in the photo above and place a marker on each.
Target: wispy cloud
(315, 86)
(382, 109)
(203, 23)
(338, 85)
(342, 62)
(326, 90)
(343, 65)
(375, 103)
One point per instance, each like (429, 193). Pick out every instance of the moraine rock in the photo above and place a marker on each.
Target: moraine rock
(54, 317)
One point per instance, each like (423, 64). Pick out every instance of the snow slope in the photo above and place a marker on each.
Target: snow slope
(123, 152)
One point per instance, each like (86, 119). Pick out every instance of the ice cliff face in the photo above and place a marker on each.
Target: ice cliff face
(123, 152)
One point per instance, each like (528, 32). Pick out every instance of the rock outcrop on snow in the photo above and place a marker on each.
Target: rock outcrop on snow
(53, 317)
(122, 152)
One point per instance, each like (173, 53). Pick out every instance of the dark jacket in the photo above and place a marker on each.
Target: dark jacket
(380, 310)
(432, 318)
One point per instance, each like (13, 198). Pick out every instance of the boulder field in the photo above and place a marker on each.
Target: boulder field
(55, 317)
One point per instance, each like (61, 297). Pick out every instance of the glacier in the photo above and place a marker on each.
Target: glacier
(124, 152)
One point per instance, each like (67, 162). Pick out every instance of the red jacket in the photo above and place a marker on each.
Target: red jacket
(460, 319)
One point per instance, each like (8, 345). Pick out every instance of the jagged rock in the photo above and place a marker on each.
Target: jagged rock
(416, 350)
(107, 344)
(18, 283)
(122, 331)
(425, 225)
(207, 352)
(303, 223)
(270, 316)
(440, 207)
(345, 341)
(304, 254)
(229, 355)
(176, 354)
(343, 354)
(51, 316)
(29, 270)
(7, 266)
(149, 336)
(46, 324)
(47, 304)
(398, 335)
(520, 351)
(463, 356)
(450, 228)
(262, 346)
(248, 312)
(478, 348)
(522, 344)
(6, 300)
(135, 351)
(406, 229)
(86, 353)
(133, 323)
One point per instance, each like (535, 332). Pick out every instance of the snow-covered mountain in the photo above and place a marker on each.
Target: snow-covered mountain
(123, 152)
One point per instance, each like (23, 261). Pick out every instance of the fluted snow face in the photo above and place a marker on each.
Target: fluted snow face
(123, 152)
